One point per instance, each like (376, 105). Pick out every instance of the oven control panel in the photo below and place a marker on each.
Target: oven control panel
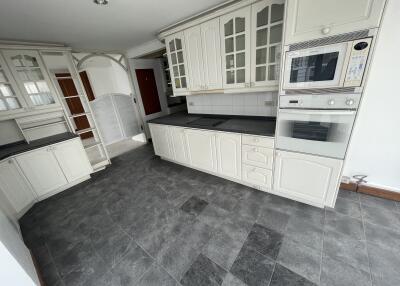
(320, 101)
(357, 62)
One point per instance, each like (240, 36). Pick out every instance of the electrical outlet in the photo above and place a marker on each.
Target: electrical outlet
(346, 179)
(191, 103)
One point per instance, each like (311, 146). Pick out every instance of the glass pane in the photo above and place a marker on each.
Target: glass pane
(12, 103)
(262, 37)
(239, 25)
(230, 77)
(182, 70)
(277, 12)
(275, 34)
(240, 76)
(240, 43)
(2, 105)
(35, 75)
(42, 99)
(17, 61)
(23, 75)
(262, 17)
(31, 87)
(261, 56)
(42, 86)
(230, 62)
(172, 46)
(229, 45)
(228, 27)
(6, 90)
(176, 73)
(240, 60)
(173, 58)
(31, 61)
(3, 77)
(260, 73)
(272, 72)
(274, 54)
(178, 44)
(183, 80)
(177, 83)
(180, 57)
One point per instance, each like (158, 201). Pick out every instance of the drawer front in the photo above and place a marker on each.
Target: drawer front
(257, 176)
(258, 156)
(258, 141)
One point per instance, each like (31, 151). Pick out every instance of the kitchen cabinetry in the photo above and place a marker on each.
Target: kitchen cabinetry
(178, 144)
(161, 141)
(229, 159)
(308, 20)
(14, 185)
(258, 156)
(201, 149)
(258, 177)
(305, 177)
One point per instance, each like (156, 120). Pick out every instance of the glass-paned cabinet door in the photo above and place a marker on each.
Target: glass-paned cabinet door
(235, 43)
(267, 30)
(177, 62)
(31, 76)
(10, 98)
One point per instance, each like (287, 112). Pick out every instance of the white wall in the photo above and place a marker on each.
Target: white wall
(250, 104)
(375, 146)
(9, 132)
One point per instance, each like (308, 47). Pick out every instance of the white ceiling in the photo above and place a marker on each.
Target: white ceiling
(120, 25)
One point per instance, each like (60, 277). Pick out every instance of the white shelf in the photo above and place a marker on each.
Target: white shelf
(79, 132)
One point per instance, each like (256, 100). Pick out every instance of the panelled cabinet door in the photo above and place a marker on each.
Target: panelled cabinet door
(194, 58)
(32, 78)
(42, 170)
(229, 154)
(258, 156)
(161, 141)
(258, 177)
(178, 143)
(176, 52)
(14, 186)
(201, 149)
(309, 20)
(211, 46)
(306, 177)
(235, 44)
(266, 41)
(73, 159)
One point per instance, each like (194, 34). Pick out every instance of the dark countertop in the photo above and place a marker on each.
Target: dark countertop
(21, 146)
(255, 125)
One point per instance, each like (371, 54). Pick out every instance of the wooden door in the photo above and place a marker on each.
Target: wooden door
(74, 103)
(148, 90)
(86, 85)
(229, 159)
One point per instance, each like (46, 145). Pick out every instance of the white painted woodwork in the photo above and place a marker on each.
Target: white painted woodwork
(258, 156)
(14, 186)
(72, 159)
(42, 170)
(161, 142)
(229, 159)
(313, 19)
(211, 47)
(201, 149)
(261, 141)
(178, 144)
(258, 177)
(194, 57)
(306, 177)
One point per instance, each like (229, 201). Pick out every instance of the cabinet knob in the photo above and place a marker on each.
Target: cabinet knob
(326, 30)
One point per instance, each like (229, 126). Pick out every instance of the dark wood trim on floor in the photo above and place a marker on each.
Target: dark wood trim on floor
(373, 191)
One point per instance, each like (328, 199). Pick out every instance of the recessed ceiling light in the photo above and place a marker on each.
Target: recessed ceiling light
(101, 2)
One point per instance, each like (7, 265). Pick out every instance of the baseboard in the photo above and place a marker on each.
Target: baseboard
(370, 190)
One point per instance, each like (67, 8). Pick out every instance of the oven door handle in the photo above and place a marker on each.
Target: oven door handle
(319, 112)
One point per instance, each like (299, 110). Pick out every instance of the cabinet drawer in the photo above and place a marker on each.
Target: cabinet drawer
(258, 156)
(258, 141)
(257, 176)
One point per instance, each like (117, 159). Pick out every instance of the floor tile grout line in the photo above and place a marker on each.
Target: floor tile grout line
(366, 245)
(322, 248)
(272, 274)
(54, 262)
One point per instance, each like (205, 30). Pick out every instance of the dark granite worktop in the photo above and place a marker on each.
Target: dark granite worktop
(21, 146)
(255, 125)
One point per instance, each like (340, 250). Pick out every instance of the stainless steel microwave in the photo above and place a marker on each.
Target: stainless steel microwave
(336, 65)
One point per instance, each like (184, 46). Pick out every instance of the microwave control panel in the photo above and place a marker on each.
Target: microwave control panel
(357, 62)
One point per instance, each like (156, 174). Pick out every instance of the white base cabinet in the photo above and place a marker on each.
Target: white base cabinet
(201, 149)
(160, 138)
(259, 178)
(306, 177)
(229, 155)
(178, 145)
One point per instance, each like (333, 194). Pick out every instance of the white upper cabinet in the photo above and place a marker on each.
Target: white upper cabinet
(266, 41)
(195, 58)
(229, 157)
(31, 77)
(176, 52)
(235, 45)
(313, 19)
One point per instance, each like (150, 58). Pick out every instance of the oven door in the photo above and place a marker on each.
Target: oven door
(320, 67)
(324, 133)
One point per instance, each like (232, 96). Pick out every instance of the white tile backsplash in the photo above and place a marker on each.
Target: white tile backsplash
(250, 104)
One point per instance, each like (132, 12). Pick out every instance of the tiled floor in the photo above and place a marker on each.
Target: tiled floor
(145, 221)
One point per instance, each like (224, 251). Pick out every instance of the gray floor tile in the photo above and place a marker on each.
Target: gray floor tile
(305, 232)
(231, 280)
(203, 272)
(344, 224)
(381, 216)
(349, 195)
(281, 204)
(336, 273)
(156, 276)
(264, 240)
(194, 205)
(251, 204)
(348, 207)
(346, 249)
(384, 265)
(213, 215)
(285, 277)
(253, 268)
(378, 202)
(50, 274)
(273, 219)
(301, 259)
(382, 236)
